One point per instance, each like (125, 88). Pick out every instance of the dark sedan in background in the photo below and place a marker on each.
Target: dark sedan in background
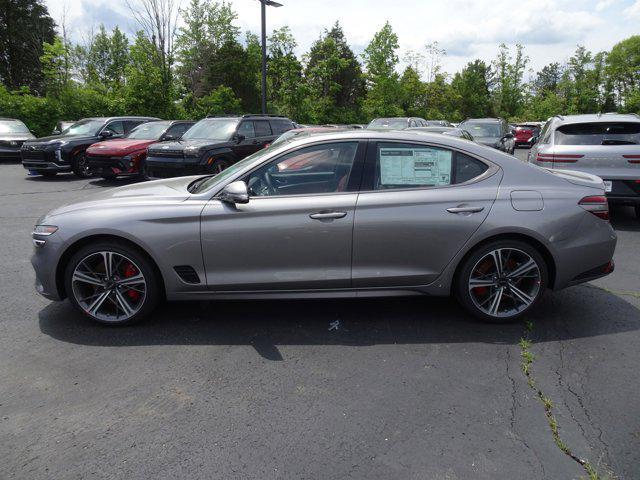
(66, 152)
(13, 133)
(492, 132)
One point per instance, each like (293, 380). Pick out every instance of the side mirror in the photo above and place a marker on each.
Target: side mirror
(508, 135)
(168, 137)
(239, 137)
(533, 140)
(55, 132)
(106, 134)
(235, 192)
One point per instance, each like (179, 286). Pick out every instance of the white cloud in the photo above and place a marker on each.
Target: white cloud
(604, 4)
(634, 10)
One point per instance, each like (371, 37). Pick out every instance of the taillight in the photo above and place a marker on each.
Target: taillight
(596, 204)
(632, 158)
(557, 158)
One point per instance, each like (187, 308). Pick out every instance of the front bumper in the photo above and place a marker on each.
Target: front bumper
(45, 262)
(112, 165)
(165, 167)
(50, 160)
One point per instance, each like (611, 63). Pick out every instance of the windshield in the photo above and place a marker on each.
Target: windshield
(148, 131)
(212, 129)
(13, 126)
(84, 127)
(390, 123)
(207, 182)
(598, 134)
(482, 129)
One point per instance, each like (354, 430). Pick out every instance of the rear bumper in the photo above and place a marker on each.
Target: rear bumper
(624, 192)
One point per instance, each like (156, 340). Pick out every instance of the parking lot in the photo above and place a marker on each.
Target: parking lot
(385, 388)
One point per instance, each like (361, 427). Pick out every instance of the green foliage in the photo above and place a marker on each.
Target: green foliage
(507, 82)
(470, 91)
(220, 101)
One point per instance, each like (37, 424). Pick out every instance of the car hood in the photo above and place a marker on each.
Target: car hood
(66, 138)
(140, 194)
(16, 136)
(491, 141)
(181, 144)
(118, 146)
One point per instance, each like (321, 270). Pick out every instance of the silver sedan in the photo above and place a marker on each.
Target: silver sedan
(344, 214)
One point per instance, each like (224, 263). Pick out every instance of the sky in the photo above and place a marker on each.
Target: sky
(466, 30)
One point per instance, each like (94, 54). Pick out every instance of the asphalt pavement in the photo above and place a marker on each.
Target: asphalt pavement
(365, 389)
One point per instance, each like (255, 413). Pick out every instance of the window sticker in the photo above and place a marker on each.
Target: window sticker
(415, 166)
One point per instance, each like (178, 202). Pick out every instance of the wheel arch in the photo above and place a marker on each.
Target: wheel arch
(533, 242)
(82, 242)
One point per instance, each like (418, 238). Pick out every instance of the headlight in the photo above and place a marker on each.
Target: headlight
(45, 230)
(191, 151)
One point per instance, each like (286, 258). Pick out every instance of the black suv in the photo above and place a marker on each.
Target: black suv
(492, 132)
(66, 152)
(213, 144)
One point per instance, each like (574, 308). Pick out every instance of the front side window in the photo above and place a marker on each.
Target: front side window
(177, 130)
(324, 168)
(401, 166)
(117, 128)
(247, 129)
(148, 131)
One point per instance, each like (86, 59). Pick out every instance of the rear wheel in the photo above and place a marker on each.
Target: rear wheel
(112, 283)
(501, 281)
(81, 166)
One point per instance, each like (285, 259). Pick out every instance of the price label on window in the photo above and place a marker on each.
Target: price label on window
(415, 166)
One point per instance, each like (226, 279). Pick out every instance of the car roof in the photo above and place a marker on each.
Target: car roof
(124, 117)
(5, 119)
(595, 117)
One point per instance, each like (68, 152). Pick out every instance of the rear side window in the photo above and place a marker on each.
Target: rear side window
(262, 128)
(401, 166)
(279, 126)
(619, 133)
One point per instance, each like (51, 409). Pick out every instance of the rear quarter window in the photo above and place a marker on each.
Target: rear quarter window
(619, 133)
(280, 126)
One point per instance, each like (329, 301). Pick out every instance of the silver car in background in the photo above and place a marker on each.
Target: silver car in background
(606, 145)
(357, 213)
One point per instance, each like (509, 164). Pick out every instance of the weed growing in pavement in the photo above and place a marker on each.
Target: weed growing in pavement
(527, 361)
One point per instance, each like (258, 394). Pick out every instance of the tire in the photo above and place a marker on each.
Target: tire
(480, 267)
(81, 167)
(116, 301)
(144, 172)
(218, 166)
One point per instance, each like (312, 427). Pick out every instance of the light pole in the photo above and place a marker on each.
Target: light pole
(263, 6)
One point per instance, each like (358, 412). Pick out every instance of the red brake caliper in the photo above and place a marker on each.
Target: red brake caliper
(130, 271)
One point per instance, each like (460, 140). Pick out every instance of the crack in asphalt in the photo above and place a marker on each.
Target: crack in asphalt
(528, 360)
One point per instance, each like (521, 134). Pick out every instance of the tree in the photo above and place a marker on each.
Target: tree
(623, 71)
(333, 79)
(25, 25)
(56, 68)
(508, 85)
(105, 59)
(470, 88)
(381, 60)
(413, 93)
(286, 91)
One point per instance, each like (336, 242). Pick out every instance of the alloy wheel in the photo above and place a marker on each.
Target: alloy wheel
(504, 282)
(109, 286)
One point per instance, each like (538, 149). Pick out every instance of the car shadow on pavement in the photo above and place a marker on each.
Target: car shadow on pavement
(583, 311)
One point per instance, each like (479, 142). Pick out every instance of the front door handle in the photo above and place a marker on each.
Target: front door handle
(327, 215)
(462, 209)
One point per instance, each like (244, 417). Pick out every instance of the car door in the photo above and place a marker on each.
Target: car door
(296, 231)
(418, 206)
(246, 146)
(264, 135)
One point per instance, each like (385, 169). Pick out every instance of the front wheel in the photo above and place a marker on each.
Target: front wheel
(501, 281)
(112, 283)
(81, 166)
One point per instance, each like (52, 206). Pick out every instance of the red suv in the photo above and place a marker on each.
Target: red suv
(524, 133)
(125, 156)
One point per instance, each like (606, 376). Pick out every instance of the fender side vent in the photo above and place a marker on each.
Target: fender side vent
(187, 273)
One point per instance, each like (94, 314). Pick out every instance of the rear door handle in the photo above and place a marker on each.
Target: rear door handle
(465, 209)
(327, 215)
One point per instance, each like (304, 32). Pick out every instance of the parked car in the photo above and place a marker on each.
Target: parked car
(67, 152)
(524, 133)
(397, 123)
(61, 126)
(13, 133)
(299, 132)
(605, 145)
(492, 132)
(213, 144)
(358, 220)
(456, 132)
(126, 156)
